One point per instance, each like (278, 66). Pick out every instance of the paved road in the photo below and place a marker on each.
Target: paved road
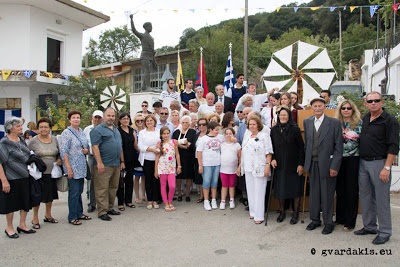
(190, 236)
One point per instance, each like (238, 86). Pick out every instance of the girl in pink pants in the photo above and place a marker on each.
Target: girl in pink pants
(165, 166)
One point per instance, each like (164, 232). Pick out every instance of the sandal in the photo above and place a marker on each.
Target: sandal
(167, 208)
(121, 208)
(200, 200)
(51, 220)
(130, 205)
(75, 222)
(172, 207)
(138, 201)
(85, 217)
(258, 222)
(35, 226)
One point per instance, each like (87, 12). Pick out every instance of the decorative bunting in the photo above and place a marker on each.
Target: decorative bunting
(176, 11)
(278, 8)
(28, 73)
(243, 10)
(209, 9)
(352, 8)
(373, 9)
(314, 8)
(395, 7)
(5, 74)
(332, 8)
(344, 8)
(226, 10)
(49, 74)
(65, 77)
(295, 9)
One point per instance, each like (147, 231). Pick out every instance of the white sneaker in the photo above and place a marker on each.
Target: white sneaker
(214, 204)
(222, 206)
(232, 204)
(207, 205)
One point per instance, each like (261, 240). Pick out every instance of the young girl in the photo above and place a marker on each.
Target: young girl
(165, 166)
(209, 158)
(230, 158)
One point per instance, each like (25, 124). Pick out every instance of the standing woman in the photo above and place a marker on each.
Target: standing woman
(186, 138)
(193, 124)
(175, 120)
(198, 178)
(14, 177)
(145, 108)
(129, 148)
(45, 146)
(137, 126)
(295, 101)
(256, 164)
(347, 179)
(275, 99)
(73, 148)
(288, 162)
(228, 122)
(199, 96)
(286, 101)
(148, 139)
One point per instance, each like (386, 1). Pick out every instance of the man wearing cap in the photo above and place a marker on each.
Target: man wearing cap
(97, 118)
(324, 151)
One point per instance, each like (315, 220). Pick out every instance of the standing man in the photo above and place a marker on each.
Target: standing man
(97, 118)
(226, 101)
(258, 99)
(242, 125)
(193, 106)
(187, 94)
(209, 107)
(107, 150)
(324, 152)
(379, 145)
(326, 94)
(238, 90)
(219, 109)
(167, 96)
(163, 121)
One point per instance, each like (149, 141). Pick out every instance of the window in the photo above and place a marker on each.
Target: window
(53, 55)
(137, 80)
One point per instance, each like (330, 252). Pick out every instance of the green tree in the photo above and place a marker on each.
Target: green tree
(356, 39)
(92, 54)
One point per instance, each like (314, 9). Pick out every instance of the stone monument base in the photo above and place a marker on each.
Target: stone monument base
(136, 100)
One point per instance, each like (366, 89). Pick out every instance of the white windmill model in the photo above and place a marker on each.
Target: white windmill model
(302, 68)
(114, 97)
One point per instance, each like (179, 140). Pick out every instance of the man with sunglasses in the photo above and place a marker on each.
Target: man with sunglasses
(163, 121)
(379, 145)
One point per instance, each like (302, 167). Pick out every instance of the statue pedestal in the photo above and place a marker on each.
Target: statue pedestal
(136, 100)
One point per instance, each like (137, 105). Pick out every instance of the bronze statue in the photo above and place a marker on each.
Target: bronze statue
(147, 57)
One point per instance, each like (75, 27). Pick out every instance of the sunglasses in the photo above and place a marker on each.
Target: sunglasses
(374, 100)
(322, 96)
(202, 124)
(163, 113)
(238, 111)
(140, 121)
(144, 106)
(348, 108)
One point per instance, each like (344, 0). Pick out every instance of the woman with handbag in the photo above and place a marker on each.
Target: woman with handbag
(14, 177)
(73, 148)
(45, 147)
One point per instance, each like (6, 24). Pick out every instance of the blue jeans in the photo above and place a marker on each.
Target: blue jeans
(210, 176)
(75, 198)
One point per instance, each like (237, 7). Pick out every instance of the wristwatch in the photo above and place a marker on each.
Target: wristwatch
(387, 168)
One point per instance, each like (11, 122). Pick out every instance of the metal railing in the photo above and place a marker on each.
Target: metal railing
(380, 53)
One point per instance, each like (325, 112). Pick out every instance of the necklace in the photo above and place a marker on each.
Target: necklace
(45, 140)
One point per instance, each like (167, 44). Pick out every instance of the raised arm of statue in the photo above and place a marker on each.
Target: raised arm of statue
(135, 32)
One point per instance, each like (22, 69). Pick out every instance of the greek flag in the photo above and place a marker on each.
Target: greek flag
(229, 80)
(5, 114)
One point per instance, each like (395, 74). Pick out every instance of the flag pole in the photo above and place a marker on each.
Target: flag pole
(177, 74)
(230, 71)
(201, 67)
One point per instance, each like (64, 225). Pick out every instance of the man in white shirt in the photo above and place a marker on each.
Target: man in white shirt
(210, 107)
(97, 118)
(167, 96)
(258, 100)
(219, 109)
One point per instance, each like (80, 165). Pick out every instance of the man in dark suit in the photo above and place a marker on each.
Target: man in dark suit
(227, 101)
(324, 151)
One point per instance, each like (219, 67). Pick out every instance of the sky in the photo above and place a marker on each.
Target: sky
(171, 17)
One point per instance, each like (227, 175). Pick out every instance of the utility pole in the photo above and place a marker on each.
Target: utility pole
(246, 34)
(360, 15)
(340, 44)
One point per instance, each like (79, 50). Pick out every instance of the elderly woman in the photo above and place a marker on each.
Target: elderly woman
(198, 178)
(256, 163)
(288, 162)
(130, 148)
(347, 179)
(14, 177)
(214, 117)
(73, 148)
(138, 125)
(148, 139)
(193, 124)
(45, 146)
(199, 96)
(186, 138)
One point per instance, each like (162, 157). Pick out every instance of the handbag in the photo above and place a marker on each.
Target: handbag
(62, 184)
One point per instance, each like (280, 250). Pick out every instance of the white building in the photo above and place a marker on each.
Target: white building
(43, 37)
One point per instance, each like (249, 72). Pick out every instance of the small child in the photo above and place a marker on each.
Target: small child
(230, 167)
(165, 166)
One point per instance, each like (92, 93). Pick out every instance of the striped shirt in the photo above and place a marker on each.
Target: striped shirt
(167, 97)
(13, 158)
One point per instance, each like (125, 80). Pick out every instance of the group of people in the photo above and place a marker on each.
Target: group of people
(236, 141)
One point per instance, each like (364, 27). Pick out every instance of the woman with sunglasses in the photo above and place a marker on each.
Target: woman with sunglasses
(347, 179)
(145, 107)
(198, 178)
(138, 125)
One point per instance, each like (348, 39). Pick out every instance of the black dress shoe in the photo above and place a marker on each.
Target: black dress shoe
(30, 231)
(294, 220)
(113, 212)
(281, 217)
(15, 235)
(364, 231)
(245, 202)
(105, 217)
(327, 229)
(187, 199)
(91, 209)
(312, 226)
(380, 240)
(179, 198)
(247, 209)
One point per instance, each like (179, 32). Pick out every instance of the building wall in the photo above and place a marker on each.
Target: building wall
(27, 28)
